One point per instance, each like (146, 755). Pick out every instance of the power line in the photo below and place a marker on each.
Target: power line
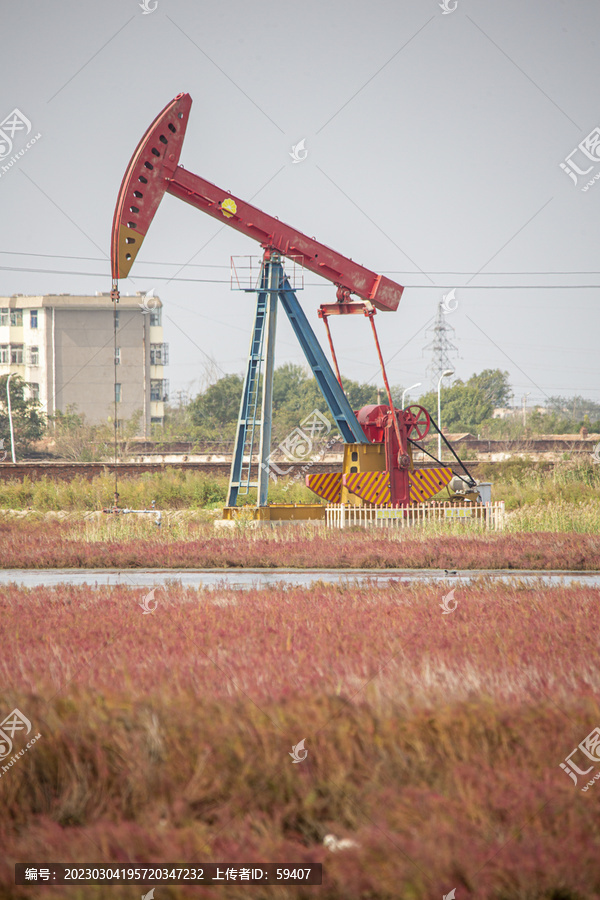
(104, 274)
(399, 350)
(429, 287)
(204, 353)
(104, 259)
(548, 272)
(522, 371)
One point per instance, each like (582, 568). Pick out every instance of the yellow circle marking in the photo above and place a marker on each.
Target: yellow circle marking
(228, 207)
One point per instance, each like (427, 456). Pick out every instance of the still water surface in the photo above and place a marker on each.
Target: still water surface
(252, 578)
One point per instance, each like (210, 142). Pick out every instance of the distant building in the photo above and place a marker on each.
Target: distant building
(508, 412)
(62, 345)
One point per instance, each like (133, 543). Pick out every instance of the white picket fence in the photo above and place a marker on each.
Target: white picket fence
(489, 515)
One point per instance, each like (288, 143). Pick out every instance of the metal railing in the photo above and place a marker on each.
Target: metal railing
(490, 515)
(159, 390)
(246, 272)
(159, 354)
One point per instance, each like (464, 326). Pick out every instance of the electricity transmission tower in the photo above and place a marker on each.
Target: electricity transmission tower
(441, 347)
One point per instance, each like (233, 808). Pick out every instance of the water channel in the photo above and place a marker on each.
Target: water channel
(253, 578)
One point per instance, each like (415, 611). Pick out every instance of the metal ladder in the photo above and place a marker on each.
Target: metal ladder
(249, 421)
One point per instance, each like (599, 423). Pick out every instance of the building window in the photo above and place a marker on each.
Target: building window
(117, 356)
(4, 315)
(156, 316)
(33, 318)
(34, 356)
(35, 390)
(159, 390)
(16, 354)
(16, 317)
(159, 354)
(4, 355)
(156, 420)
(117, 393)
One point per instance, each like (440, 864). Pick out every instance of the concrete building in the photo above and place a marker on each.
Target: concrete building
(62, 345)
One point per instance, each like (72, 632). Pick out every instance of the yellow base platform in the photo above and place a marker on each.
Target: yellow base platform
(277, 512)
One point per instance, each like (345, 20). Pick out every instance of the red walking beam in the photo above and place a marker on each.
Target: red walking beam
(154, 171)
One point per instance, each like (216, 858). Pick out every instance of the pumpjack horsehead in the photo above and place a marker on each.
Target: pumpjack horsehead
(378, 469)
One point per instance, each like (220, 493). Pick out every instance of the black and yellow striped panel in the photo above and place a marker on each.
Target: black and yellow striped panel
(374, 487)
(426, 483)
(327, 485)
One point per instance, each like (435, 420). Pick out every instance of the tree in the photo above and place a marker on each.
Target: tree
(493, 385)
(215, 412)
(296, 395)
(290, 383)
(28, 420)
(568, 414)
(75, 439)
(361, 394)
(464, 407)
(467, 405)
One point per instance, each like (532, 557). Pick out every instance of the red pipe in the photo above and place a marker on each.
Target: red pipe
(371, 315)
(335, 362)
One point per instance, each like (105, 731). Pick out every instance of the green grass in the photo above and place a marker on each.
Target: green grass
(521, 482)
(171, 489)
(538, 497)
(556, 515)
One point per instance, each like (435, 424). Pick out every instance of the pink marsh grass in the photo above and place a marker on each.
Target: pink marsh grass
(434, 741)
(68, 545)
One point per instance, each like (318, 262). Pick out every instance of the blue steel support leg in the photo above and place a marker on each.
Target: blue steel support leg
(335, 398)
(275, 276)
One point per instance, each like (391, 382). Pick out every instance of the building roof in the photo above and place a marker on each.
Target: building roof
(453, 437)
(590, 436)
(76, 301)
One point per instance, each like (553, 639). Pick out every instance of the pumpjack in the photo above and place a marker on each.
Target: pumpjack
(378, 468)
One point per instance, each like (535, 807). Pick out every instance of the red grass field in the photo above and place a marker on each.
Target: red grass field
(434, 741)
(62, 545)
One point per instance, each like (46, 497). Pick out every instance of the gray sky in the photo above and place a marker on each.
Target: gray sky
(434, 147)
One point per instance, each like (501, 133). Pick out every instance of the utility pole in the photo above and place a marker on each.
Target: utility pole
(406, 390)
(524, 401)
(446, 374)
(10, 420)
